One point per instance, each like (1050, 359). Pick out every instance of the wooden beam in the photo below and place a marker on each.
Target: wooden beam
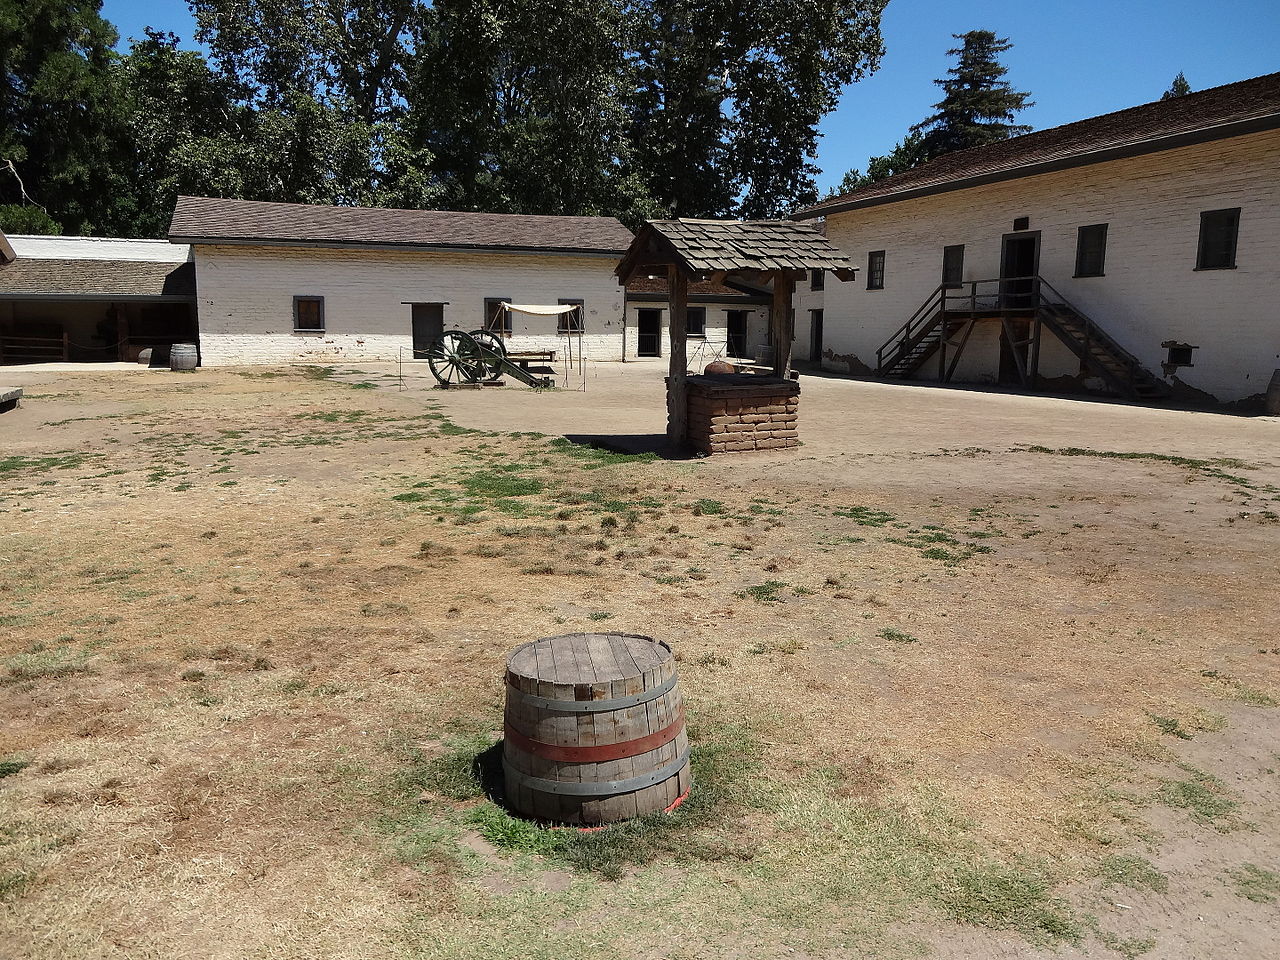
(782, 322)
(677, 389)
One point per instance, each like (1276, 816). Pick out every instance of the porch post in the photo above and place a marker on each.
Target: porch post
(782, 322)
(677, 390)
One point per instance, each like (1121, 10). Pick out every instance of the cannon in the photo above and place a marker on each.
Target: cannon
(476, 357)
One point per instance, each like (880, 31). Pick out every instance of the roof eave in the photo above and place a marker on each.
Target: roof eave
(1223, 131)
(410, 247)
(6, 250)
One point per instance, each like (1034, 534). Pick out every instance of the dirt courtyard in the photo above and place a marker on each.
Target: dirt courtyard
(968, 675)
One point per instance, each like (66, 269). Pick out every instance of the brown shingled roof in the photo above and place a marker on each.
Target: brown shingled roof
(210, 220)
(104, 279)
(1229, 110)
(710, 246)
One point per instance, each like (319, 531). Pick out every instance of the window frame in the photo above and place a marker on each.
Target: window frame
(319, 301)
(503, 315)
(700, 334)
(1081, 266)
(563, 326)
(875, 280)
(1234, 213)
(958, 282)
(817, 280)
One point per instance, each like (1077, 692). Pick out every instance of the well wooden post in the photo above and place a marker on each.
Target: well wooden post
(782, 322)
(677, 390)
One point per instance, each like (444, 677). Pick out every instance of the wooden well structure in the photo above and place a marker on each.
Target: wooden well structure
(773, 253)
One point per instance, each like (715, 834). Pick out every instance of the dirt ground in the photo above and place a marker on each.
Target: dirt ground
(971, 674)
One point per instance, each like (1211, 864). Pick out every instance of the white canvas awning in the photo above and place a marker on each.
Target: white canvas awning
(542, 310)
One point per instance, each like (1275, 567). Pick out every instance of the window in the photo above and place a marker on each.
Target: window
(875, 270)
(1021, 223)
(695, 321)
(1091, 250)
(495, 318)
(817, 279)
(952, 266)
(571, 322)
(1218, 231)
(308, 314)
(1180, 355)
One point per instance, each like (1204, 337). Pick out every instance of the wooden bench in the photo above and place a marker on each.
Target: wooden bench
(526, 358)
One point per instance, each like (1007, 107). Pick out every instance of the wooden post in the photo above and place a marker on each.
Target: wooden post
(122, 332)
(782, 322)
(677, 390)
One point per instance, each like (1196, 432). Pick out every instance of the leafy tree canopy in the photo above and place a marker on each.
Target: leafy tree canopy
(1179, 87)
(979, 105)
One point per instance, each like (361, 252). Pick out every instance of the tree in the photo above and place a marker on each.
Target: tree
(59, 120)
(906, 154)
(729, 96)
(1179, 87)
(979, 106)
(522, 104)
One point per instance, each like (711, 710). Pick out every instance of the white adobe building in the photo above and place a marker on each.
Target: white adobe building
(282, 283)
(725, 319)
(1136, 253)
(87, 299)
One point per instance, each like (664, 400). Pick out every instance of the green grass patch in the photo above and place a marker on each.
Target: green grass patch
(1203, 796)
(42, 662)
(707, 508)
(11, 765)
(1170, 726)
(593, 457)
(897, 636)
(42, 464)
(766, 592)
(1255, 883)
(865, 516)
(1137, 873)
(1009, 896)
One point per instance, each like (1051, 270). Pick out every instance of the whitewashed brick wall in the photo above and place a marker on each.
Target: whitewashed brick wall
(1151, 291)
(245, 297)
(708, 348)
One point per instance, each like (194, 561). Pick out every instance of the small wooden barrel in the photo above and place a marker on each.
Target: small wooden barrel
(182, 356)
(594, 729)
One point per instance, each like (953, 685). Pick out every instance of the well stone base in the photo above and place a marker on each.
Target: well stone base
(735, 412)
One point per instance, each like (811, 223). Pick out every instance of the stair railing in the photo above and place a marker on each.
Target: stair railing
(901, 338)
(1133, 367)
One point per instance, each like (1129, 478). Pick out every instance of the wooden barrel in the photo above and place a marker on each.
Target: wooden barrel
(594, 729)
(182, 356)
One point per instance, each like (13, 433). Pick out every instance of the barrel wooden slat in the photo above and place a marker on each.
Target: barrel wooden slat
(583, 745)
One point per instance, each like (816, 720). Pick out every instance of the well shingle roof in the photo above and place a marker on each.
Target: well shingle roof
(107, 279)
(1220, 111)
(210, 220)
(699, 288)
(712, 245)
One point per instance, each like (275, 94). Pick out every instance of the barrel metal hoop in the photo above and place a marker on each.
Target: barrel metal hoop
(593, 706)
(602, 788)
(597, 753)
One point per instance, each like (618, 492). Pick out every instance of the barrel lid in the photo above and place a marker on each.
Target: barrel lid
(588, 657)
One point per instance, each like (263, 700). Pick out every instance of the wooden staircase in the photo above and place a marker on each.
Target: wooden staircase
(946, 319)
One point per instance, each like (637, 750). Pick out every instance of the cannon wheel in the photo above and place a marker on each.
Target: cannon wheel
(491, 342)
(457, 358)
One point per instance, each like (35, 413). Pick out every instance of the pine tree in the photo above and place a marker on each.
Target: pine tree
(979, 105)
(1179, 87)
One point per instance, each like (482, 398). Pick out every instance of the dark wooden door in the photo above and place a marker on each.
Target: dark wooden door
(737, 333)
(649, 333)
(815, 337)
(1019, 264)
(428, 326)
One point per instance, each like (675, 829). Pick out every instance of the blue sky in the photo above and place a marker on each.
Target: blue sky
(1078, 59)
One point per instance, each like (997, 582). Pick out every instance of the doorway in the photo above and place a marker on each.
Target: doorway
(736, 334)
(815, 336)
(649, 333)
(1019, 265)
(428, 326)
